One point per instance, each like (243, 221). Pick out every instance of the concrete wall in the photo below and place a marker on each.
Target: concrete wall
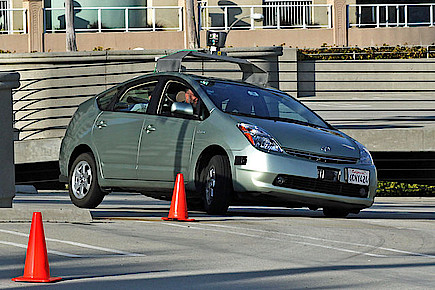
(391, 36)
(14, 42)
(389, 105)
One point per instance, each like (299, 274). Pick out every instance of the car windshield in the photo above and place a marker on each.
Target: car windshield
(245, 100)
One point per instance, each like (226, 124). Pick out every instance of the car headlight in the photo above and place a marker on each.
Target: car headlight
(259, 138)
(364, 155)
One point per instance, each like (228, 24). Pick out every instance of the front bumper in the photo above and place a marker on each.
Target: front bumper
(262, 169)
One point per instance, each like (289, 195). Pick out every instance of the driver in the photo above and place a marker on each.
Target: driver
(190, 98)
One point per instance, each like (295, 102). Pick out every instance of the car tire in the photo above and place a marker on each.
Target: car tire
(331, 212)
(84, 190)
(216, 185)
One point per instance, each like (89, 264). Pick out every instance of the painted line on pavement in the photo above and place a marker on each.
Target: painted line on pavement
(327, 240)
(270, 238)
(78, 245)
(48, 251)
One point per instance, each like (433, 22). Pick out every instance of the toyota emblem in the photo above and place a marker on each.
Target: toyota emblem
(325, 148)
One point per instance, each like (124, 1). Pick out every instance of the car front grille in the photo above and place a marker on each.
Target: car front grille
(321, 158)
(322, 186)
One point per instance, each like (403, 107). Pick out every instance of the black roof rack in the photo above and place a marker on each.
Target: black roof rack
(251, 73)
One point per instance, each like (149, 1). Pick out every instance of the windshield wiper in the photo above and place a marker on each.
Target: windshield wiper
(244, 115)
(277, 119)
(292, 121)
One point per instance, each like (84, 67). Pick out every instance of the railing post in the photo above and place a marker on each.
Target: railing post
(154, 18)
(10, 22)
(8, 81)
(99, 20)
(25, 21)
(386, 15)
(126, 19)
(406, 15)
(180, 19)
(304, 16)
(397, 15)
(359, 16)
(330, 16)
(278, 17)
(226, 17)
(431, 15)
(252, 19)
(378, 18)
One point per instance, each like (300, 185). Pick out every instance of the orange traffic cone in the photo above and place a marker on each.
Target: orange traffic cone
(178, 210)
(36, 268)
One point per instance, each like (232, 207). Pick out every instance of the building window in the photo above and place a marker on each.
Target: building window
(289, 13)
(4, 18)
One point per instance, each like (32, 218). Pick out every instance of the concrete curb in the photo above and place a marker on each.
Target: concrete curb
(25, 189)
(60, 215)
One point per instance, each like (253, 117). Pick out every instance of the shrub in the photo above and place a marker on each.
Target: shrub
(356, 53)
(389, 188)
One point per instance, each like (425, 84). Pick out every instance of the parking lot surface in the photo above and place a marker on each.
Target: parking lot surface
(126, 245)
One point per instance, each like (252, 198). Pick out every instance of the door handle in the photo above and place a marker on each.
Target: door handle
(101, 124)
(149, 129)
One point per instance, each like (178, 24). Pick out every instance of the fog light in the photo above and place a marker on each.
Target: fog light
(363, 192)
(280, 181)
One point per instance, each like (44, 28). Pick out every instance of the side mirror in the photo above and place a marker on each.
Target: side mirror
(182, 109)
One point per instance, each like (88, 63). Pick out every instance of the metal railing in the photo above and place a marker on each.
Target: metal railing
(13, 20)
(289, 12)
(390, 15)
(277, 16)
(125, 19)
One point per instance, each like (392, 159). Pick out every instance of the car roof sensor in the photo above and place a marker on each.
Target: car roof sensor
(251, 73)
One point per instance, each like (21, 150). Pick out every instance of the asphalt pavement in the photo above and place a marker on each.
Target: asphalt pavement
(124, 244)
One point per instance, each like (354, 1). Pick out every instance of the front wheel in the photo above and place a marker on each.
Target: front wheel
(84, 190)
(217, 185)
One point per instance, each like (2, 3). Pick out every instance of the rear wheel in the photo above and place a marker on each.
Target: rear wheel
(217, 185)
(84, 190)
(335, 212)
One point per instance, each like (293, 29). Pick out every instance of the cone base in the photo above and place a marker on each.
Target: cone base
(177, 219)
(36, 280)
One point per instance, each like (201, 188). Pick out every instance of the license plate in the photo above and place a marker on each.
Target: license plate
(358, 176)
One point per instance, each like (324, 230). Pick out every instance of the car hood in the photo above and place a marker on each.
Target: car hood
(303, 138)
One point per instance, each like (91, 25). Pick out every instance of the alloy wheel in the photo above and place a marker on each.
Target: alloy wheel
(81, 179)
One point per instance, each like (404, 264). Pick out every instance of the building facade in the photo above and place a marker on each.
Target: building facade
(39, 25)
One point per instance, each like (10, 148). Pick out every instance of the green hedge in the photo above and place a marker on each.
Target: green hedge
(387, 188)
(356, 53)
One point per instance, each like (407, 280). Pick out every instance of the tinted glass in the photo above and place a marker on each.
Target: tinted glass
(105, 100)
(252, 101)
(136, 98)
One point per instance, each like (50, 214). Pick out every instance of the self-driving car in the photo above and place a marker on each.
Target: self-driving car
(233, 141)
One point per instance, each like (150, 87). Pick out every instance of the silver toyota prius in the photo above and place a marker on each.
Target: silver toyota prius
(234, 142)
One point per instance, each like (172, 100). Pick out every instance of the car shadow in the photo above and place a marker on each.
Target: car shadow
(386, 212)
